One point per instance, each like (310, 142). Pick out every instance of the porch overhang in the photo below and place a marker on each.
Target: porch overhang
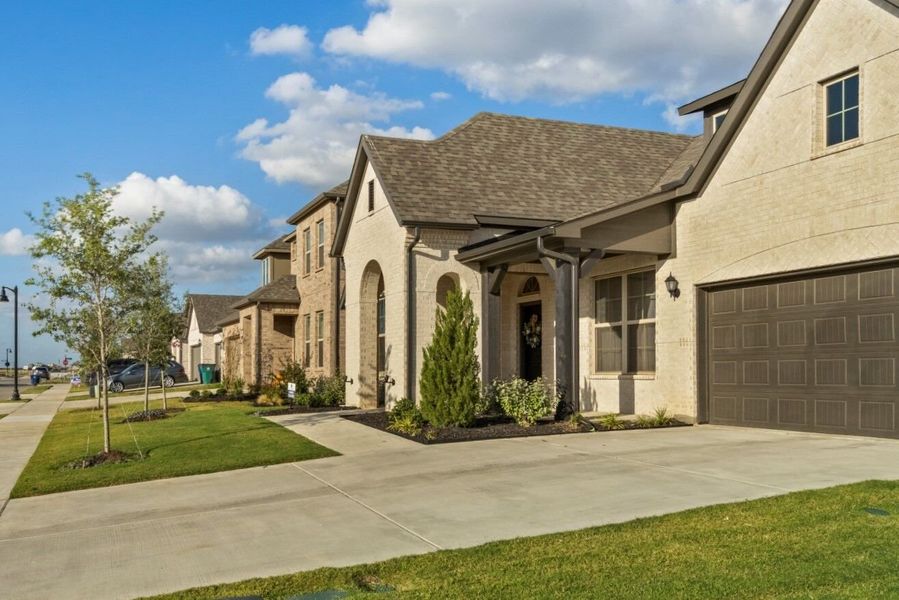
(647, 230)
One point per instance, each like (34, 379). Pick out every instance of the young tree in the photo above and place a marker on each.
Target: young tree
(450, 375)
(85, 259)
(152, 322)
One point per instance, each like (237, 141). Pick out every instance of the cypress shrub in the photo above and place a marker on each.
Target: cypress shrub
(450, 376)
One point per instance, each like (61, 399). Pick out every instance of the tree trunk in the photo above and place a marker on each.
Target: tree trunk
(165, 400)
(100, 382)
(107, 446)
(147, 385)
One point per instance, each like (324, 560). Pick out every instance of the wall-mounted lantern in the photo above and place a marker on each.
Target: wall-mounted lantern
(671, 285)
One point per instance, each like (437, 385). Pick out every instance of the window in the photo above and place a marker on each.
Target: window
(320, 232)
(717, 120)
(841, 108)
(625, 323)
(266, 270)
(320, 337)
(382, 330)
(307, 340)
(307, 251)
(371, 195)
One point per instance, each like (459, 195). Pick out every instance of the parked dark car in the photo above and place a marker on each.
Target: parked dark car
(133, 377)
(117, 365)
(40, 372)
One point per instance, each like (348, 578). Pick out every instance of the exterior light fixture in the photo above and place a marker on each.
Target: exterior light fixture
(15, 325)
(671, 285)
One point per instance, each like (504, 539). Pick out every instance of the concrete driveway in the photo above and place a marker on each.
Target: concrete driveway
(388, 497)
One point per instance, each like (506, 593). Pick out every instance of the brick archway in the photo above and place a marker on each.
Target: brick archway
(371, 292)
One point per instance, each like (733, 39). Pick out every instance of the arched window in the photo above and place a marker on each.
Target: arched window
(531, 286)
(445, 285)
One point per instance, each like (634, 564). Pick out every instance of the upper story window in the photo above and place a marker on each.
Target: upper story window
(625, 328)
(320, 248)
(841, 106)
(307, 251)
(266, 270)
(371, 195)
(718, 120)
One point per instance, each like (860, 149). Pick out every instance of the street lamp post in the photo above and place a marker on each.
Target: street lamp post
(15, 335)
(6, 363)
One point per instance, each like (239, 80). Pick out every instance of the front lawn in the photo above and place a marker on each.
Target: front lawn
(205, 438)
(817, 544)
(31, 390)
(79, 392)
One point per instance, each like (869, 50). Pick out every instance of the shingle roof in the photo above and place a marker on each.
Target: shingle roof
(278, 246)
(505, 165)
(282, 291)
(212, 308)
(338, 191)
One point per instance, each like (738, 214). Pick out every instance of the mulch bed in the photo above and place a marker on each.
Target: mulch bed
(484, 428)
(102, 458)
(301, 410)
(632, 425)
(154, 414)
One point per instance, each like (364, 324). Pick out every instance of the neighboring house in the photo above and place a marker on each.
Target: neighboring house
(776, 231)
(320, 329)
(202, 343)
(294, 315)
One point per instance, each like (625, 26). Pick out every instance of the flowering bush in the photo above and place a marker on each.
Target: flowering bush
(525, 401)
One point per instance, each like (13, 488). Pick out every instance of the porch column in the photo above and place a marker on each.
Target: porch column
(491, 321)
(566, 301)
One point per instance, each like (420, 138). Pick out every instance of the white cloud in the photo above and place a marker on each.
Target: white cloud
(192, 212)
(316, 144)
(14, 242)
(569, 50)
(291, 40)
(209, 233)
(440, 96)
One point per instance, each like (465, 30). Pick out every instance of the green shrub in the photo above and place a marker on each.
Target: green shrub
(525, 401)
(612, 422)
(194, 394)
(293, 372)
(270, 395)
(405, 418)
(450, 374)
(205, 394)
(328, 391)
(661, 417)
(644, 422)
(232, 386)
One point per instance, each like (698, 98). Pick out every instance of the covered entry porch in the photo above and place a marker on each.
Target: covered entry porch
(541, 306)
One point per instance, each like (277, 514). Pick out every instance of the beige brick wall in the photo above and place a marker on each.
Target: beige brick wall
(318, 294)
(776, 203)
(375, 239)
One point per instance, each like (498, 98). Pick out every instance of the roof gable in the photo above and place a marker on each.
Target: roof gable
(209, 309)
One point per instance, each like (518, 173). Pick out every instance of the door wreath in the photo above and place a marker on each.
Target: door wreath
(532, 331)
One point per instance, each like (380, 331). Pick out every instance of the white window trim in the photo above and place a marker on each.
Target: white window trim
(715, 119)
(320, 255)
(307, 251)
(307, 340)
(821, 149)
(320, 338)
(623, 323)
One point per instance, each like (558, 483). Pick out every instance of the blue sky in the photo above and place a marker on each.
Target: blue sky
(230, 115)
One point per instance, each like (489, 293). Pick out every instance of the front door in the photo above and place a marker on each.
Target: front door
(195, 363)
(530, 335)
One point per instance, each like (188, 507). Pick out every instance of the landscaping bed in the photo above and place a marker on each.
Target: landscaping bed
(301, 410)
(484, 428)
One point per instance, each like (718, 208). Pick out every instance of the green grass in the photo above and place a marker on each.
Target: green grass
(204, 439)
(817, 544)
(79, 392)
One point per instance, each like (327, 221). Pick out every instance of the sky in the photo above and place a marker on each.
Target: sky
(230, 115)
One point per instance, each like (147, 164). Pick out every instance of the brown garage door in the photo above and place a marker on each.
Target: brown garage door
(809, 354)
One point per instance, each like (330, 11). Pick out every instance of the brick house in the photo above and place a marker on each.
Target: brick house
(202, 340)
(744, 277)
(294, 315)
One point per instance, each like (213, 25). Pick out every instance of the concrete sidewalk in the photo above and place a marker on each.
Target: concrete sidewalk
(389, 497)
(20, 433)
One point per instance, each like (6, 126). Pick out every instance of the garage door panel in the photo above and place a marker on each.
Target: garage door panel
(817, 353)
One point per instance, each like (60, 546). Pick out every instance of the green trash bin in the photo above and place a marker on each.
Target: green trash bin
(207, 373)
